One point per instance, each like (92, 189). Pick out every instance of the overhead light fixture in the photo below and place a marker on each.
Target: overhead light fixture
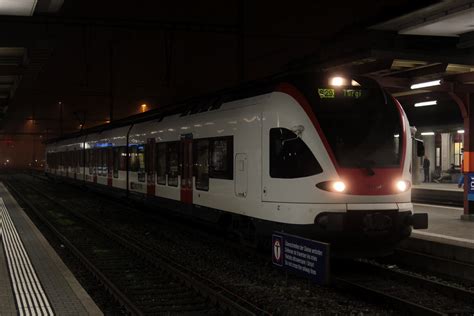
(427, 134)
(396, 135)
(426, 103)
(425, 84)
(461, 131)
(354, 83)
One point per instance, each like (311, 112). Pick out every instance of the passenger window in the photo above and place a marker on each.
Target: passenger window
(123, 158)
(172, 163)
(91, 161)
(290, 157)
(222, 158)
(116, 154)
(141, 162)
(103, 162)
(133, 158)
(161, 163)
(201, 164)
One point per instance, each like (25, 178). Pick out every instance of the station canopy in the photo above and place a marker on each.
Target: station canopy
(20, 57)
(434, 43)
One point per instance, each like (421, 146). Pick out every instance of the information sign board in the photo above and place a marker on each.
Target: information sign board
(303, 256)
(470, 186)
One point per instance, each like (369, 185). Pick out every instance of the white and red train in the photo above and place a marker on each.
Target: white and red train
(326, 158)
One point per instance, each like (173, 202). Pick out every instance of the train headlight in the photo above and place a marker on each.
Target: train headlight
(338, 186)
(332, 186)
(402, 185)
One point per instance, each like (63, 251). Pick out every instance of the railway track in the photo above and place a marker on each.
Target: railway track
(141, 279)
(404, 292)
(410, 293)
(458, 271)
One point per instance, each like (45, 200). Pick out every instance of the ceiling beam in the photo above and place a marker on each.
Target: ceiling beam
(52, 24)
(9, 70)
(466, 77)
(420, 71)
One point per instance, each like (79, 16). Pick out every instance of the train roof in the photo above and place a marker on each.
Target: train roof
(198, 104)
(203, 103)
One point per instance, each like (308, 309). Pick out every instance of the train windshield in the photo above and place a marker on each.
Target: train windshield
(361, 123)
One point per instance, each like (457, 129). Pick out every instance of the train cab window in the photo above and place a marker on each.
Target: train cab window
(172, 163)
(201, 164)
(222, 156)
(141, 162)
(160, 163)
(290, 157)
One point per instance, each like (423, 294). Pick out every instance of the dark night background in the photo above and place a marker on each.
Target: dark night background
(124, 56)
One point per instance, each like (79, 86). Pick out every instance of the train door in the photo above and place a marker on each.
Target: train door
(186, 163)
(241, 175)
(150, 166)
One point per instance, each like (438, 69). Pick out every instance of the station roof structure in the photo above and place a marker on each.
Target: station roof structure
(422, 46)
(16, 62)
(52, 52)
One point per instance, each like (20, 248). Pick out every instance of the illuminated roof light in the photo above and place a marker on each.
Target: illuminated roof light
(402, 186)
(339, 186)
(354, 83)
(426, 103)
(427, 134)
(337, 81)
(425, 84)
(461, 131)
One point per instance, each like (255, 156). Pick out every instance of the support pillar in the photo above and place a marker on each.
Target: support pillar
(465, 101)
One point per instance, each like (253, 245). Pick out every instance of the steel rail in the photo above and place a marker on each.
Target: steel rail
(399, 303)
(213, 291)
(108, 284)
(445, 266)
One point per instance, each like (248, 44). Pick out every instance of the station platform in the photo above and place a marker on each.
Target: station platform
(33, 279)
(438, 193)
(446, 247)
(445, 224)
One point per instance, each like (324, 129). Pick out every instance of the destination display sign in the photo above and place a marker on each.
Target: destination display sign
(470, 187)
(302, 256)
(330, 93)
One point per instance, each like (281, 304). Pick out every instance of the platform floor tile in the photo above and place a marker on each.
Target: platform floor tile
(66, 295)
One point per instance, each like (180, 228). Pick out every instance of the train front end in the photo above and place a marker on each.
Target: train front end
(366, 136)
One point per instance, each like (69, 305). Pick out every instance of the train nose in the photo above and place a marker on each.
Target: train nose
(377, 222)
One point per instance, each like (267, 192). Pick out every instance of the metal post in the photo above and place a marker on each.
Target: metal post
(415, 164)
(468, 165)
(241, 42)
(111, 81)
(60, 118)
